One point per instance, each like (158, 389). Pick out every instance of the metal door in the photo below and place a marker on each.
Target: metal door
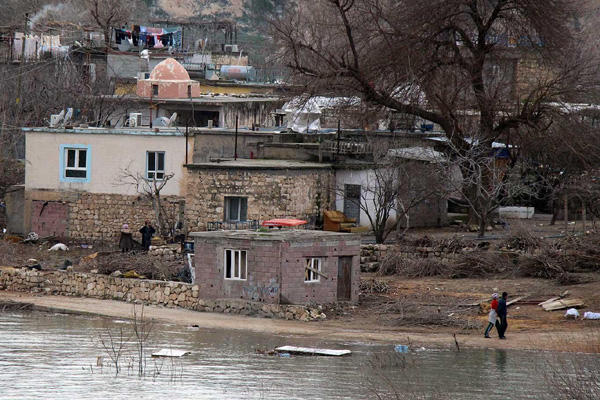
(352, 201)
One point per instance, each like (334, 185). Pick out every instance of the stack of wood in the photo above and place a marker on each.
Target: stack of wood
(559, 303)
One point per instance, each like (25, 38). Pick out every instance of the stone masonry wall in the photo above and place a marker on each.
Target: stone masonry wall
(94, 216)
(371, 255)
(167, 294)
(303, 194)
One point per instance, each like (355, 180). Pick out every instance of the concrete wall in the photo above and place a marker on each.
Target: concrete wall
(271, 193)
(110, 155)
(221, 144)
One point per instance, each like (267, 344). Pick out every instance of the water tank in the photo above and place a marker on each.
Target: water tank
(238, 72)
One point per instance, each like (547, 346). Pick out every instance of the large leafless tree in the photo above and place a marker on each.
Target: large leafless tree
(491, 69)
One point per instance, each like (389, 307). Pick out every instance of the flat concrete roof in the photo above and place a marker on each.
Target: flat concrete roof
(278, 235)
(202, 99)
(142, 131)
(258, 164)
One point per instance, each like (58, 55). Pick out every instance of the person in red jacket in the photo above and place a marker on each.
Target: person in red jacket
(493, 316)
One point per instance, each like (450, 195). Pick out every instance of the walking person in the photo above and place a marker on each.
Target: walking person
(147, 231)
(493, 316)
(126, 240)
(502, 324)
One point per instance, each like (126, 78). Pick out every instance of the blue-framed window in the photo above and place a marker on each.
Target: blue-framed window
(75, 163)
(155, 165)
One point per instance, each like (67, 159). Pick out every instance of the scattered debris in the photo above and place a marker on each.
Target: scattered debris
(562, 304)
(312, 351)
(591, 315)
(59, 247)
(170, 353)
(560, 296)
(32, 238)
(133, 274)
(401, 348)
(66, 264)
(572, 313)
(117, 274)
(374, 286)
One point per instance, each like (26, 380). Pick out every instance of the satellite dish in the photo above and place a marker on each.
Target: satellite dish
(55, 119)
(126, 44)
(68, 116)
(164, 121)
(172, 119)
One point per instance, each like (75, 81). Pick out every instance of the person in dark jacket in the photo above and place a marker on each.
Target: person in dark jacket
(502, 324)
(126, 240)
(147, 231)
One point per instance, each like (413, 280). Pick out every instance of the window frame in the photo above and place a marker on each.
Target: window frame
(156, 170)
(309, 276)
(63, 160)
(155, 89)
(236, 268)
(227, 216)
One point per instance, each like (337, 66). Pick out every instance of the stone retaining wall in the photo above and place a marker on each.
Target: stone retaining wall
(371, 255)
(167, 294)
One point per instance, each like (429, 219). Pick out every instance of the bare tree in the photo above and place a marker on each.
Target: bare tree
(151, 189)
(109, 14)
(489, 69)
(393, 185)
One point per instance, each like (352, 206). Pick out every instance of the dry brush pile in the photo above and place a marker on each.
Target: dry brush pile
(568, 260)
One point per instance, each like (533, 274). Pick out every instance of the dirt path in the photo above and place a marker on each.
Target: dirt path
(337, 330)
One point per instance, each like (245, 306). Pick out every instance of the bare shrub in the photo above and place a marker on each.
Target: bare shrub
(370, 286)
(142, 263)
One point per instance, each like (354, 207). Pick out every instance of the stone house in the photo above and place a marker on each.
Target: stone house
(243, 190)
(278, 267)
(74, 184)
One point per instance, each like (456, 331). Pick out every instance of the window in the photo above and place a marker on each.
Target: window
(155, 165)
(235, 264)
(312, 269)
(189, 91)
(236, 208)
(75, 163)
(154, 90)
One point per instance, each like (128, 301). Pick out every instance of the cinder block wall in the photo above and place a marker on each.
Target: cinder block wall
(275, 269)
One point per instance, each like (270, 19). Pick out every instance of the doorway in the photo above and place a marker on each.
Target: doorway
(344, 285)
(352, 202)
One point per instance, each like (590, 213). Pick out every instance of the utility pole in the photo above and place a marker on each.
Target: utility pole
(18, 100)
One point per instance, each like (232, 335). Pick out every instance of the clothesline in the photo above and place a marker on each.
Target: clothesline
(150, 37)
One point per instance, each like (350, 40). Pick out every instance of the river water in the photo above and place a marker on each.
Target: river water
(54, 356)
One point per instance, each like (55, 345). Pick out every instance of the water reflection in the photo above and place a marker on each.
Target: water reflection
(54, 357)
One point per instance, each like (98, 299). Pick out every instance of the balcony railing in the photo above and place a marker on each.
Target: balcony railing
(232, 225)
(331, 146)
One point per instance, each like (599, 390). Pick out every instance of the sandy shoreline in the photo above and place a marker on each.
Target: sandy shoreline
(333, 330)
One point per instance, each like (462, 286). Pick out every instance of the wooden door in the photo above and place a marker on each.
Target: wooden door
(344, 285)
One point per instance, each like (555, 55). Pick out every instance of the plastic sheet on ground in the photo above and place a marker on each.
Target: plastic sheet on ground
(571, 312)
(591, 315)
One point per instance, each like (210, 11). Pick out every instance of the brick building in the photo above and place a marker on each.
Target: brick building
(278, 267)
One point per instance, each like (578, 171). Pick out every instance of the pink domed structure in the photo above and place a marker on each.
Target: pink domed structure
(168, 80)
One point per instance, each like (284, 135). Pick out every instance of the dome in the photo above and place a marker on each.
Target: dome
(169, 70)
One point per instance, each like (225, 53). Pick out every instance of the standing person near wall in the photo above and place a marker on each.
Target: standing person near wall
(126, 240)
(147, 231)
(493, 316)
